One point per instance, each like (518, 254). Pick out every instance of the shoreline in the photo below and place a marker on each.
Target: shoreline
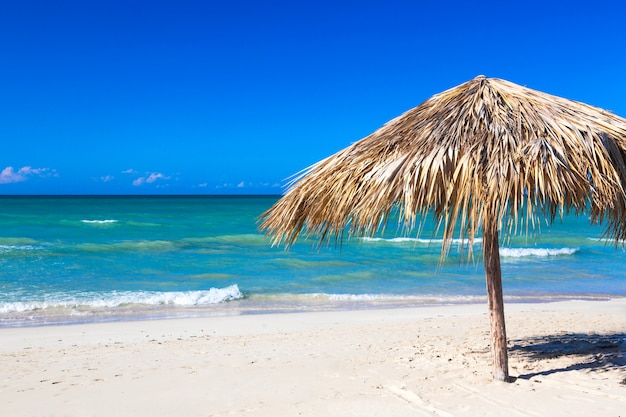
(68, 316)
(569, 358)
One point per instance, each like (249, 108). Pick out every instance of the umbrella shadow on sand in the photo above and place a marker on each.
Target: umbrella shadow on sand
(592, 352)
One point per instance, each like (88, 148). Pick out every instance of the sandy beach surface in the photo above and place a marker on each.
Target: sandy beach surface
(568, 358)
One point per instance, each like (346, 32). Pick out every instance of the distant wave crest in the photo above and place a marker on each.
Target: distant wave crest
(536, 252)
(416, 240)
(126, 298)
(416, 299)
(10, 248)
(106, 221)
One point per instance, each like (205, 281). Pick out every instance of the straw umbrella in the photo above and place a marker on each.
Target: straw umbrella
(486, 156)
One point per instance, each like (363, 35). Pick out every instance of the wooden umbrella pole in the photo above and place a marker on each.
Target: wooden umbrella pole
(493, 277)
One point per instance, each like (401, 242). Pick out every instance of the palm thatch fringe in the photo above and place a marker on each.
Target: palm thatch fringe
(486, 146)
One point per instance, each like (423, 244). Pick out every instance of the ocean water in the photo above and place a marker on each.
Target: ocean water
(78, 259)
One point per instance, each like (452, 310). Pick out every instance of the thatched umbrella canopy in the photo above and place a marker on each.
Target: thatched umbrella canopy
(487, 155)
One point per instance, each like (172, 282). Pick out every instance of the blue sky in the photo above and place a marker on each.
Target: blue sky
(232, 97)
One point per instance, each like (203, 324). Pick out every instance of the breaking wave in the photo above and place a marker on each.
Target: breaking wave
(128, 298)
(106, 221)
(536, 252)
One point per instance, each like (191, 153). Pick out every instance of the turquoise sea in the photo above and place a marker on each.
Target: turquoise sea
(81, 259)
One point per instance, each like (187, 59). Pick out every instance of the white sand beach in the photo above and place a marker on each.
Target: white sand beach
(569, 359)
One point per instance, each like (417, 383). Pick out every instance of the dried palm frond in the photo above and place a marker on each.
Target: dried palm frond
(485, 148)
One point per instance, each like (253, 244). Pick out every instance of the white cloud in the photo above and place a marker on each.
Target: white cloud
(106, 178)
(270, 185)
(10, 175)
(248, 185)
(129, 171)
(149, 179)
(155, 176)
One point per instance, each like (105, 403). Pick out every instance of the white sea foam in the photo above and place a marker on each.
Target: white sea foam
(600, 239)
(9, 248)
(393, 240)
(416, 299)
(125, 298)
(433, 299)
(536, 252)
(416, 240)
(106, 221)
